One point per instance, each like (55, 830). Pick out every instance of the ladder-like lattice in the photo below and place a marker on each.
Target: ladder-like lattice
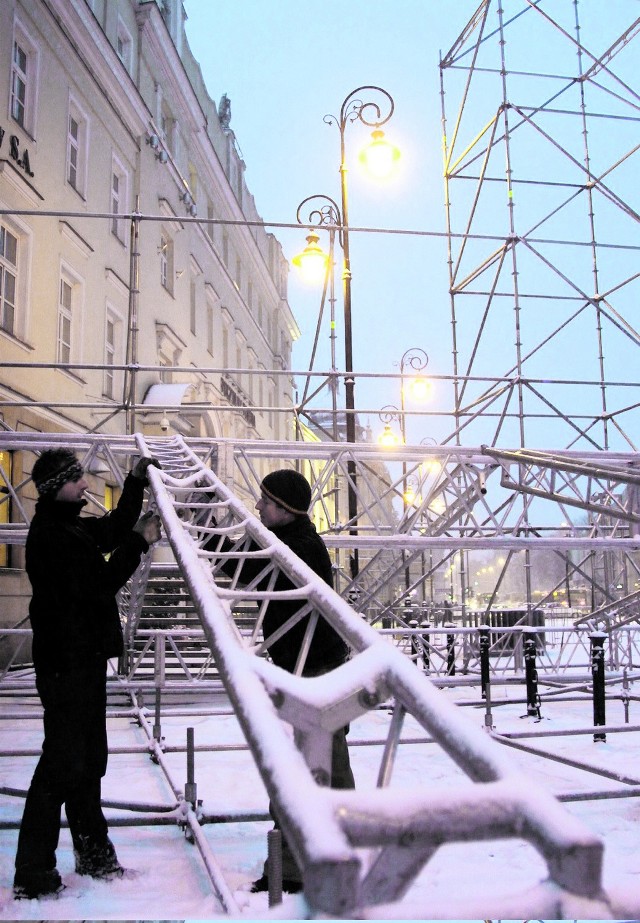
(329, 829)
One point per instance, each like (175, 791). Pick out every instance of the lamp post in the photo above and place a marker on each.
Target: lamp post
(379, 157)
(417, 360)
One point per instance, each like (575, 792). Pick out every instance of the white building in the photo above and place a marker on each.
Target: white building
(105, 113)
(177, 320)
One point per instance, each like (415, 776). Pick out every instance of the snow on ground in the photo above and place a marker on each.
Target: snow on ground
(173, 884)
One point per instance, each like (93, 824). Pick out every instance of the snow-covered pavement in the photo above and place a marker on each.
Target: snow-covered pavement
(173, 883)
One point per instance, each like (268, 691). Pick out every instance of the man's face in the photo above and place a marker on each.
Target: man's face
(72, 491)
(271, 514)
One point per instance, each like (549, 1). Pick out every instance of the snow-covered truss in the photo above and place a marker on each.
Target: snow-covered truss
(327, 829)
(363, 848)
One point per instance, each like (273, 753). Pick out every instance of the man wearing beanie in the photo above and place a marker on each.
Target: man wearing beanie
(283, 508)
(76, 629)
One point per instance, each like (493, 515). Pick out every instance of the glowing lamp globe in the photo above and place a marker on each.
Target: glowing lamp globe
(380, 157)
(313, 261)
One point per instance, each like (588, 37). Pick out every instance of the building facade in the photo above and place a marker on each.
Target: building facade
(105, 114)
(139, 291)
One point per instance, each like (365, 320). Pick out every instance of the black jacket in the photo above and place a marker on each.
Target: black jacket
(73, 609)
(328, 650)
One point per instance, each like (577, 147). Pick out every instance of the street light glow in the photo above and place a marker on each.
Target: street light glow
(388, 438)
(419, 388)
(313, 261)
(379, 157)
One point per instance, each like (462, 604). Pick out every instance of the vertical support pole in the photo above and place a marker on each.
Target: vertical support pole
(159, 676)
(416, 647)
(451, 652)
(531, 675)
(129, 388)
(484, 644)
(191, 789)
(625, 695)
(426, 648)
(157, 728)
(597, 672)
(488, 716)
(274, 866)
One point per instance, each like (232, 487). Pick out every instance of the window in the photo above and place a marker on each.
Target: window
(210, 329)
(124, 45)
(225, 346)
(212, 301)
(209, 227)
(167, 128)
(113, 340)
(193, 304)
(166, 262)
(6, 477)
(19, 84)
(77, 146)
(225, 248)
(65, 316)
(119, 184)
(69, 316)
(24, 80)
(8, 279)
(109, 357)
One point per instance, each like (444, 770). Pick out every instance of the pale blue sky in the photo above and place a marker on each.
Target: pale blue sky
(285, 66)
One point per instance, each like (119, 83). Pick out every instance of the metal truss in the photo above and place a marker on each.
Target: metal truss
(362, 848)
(540, 111)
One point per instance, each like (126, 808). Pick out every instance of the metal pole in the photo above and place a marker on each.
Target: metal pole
(484, 644)
(274, 865)
(191, 789)
(531, 675)
(129, 396)
(426, 649)
(349, 381)
(451, 652)
(597, 670)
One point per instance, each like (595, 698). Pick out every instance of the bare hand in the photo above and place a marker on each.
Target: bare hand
(149, 527)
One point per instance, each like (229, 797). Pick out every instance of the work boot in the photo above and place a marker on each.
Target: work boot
(289, 885)
(99, 860)
(30, 884)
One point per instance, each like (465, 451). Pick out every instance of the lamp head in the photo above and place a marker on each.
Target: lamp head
(313, 261)
(379, 157)
(388, 438)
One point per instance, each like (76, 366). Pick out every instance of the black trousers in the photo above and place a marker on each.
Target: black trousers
(70, 770)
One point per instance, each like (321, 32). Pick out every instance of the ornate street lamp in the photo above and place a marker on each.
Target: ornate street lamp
(417, 360)
(388, 437)
(374, 113)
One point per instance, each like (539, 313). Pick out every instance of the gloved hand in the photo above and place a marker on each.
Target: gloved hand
(139, 470)
(149, 527)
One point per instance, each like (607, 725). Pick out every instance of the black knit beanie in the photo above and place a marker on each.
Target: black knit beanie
(53, 469)
(289, 489)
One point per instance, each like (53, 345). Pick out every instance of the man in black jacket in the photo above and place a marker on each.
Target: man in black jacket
(76, 629)
(283, 508)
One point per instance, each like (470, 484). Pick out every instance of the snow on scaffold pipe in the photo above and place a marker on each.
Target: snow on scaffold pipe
(327, 829)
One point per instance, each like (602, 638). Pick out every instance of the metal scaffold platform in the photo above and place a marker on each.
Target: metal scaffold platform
(358, 849)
